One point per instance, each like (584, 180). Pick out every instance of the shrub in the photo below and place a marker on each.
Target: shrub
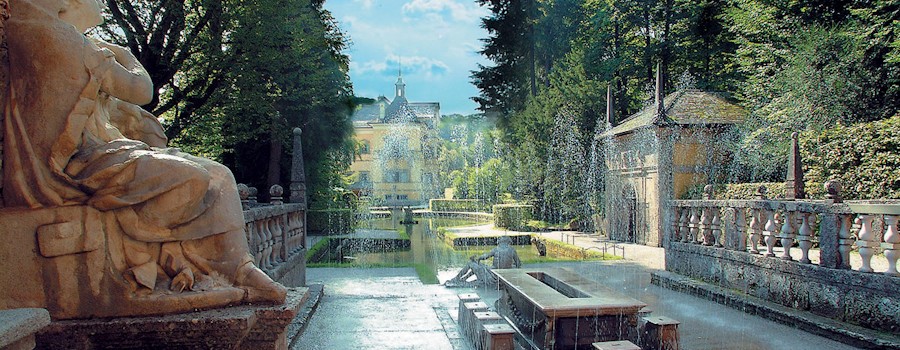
(463, 205)
(330, 221)
(512, 216)
(864, 157)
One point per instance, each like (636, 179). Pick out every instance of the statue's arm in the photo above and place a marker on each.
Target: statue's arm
(126, 79)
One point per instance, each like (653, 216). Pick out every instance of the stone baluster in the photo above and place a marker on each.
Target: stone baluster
(867, 241)
(740, 223)
(706, 225)
(676, 225)
(267, 248)
(685, 224)
(804, 235)
(278, 233)
(716, 226)
(694, 225)
(891, 244)
(787, 234)
(754, 229)
(845, 241)
(251, 237)
(769, 231)
(260, 235)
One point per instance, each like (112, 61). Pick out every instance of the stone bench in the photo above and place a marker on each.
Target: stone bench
(18, 327)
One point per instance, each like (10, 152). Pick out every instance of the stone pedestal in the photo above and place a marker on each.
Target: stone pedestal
(659, 333)
(237, 327)
(18, 326)
(498, 337)
(615, 345)
(467, 317)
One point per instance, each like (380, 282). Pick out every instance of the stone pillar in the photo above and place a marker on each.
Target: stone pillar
(793, 186)
(298, 176)
(829, 226)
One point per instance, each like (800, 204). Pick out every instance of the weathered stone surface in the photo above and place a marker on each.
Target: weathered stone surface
(560, 309)
(18, 326)
(826, 327)
(238, 327)
(864, 299)
(120, 228)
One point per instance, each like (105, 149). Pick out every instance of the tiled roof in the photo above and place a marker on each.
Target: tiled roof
(684, 107)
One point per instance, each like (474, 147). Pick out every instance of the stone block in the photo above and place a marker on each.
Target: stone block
(18, 326)
(241, 327)
(482, 318)
(615, 345)
(659, 333)
(499, 336)
(467, 317)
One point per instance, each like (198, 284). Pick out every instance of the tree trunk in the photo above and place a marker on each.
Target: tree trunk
(274, 176)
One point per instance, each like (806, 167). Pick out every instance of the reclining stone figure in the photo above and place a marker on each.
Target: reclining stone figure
(128, 226)
(505, 257)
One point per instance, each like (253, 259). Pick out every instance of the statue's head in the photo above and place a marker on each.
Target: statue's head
(505, 240)
(83, 14)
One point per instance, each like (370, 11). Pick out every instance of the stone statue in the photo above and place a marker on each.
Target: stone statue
(505, 257)
(160, 231)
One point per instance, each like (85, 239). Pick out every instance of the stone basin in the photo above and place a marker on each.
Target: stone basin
(555, 308)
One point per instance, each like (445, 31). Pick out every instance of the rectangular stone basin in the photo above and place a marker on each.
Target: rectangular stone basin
(555, 308)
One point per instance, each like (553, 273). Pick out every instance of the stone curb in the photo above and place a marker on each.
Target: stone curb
(842, 332)
(298, 325)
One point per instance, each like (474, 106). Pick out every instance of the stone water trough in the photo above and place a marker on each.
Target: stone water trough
(555, 308)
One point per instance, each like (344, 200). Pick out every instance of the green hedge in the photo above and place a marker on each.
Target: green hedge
(463, 205)
(864, 157)
(512, 216)
(775, 190)
(330, 221)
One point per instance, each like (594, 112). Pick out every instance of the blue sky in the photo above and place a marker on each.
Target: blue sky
(437, 42)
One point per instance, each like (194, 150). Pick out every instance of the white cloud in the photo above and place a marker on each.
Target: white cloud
(423, 67)
(467, 11)
(366, 4)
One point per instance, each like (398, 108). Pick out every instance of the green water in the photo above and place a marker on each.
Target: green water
(429, 254)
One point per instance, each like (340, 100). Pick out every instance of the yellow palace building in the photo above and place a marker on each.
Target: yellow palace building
(396, 162)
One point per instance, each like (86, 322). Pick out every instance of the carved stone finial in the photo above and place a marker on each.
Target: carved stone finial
(794, 183)
(708, 192)
(276, 192)
(298, 131)
(761, 192)
(243, 191)
(833, 189)
(253, 192)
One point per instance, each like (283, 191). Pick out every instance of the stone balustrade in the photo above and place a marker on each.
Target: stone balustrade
(276, 235)
(758, 226)
(834, 259)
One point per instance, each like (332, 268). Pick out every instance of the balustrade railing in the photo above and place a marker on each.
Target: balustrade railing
(275, 233)
(823, 232)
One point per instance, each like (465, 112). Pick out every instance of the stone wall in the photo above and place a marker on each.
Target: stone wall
(870, 300)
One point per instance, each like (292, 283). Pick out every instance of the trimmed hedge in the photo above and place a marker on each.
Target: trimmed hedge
(864, 157)
(330, 221)
(774, 190)
(463, 205)
(512, 216)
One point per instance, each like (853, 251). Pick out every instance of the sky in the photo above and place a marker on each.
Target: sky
(435, 41)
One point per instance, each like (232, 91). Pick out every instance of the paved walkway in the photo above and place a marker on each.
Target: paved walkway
(391, 309)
